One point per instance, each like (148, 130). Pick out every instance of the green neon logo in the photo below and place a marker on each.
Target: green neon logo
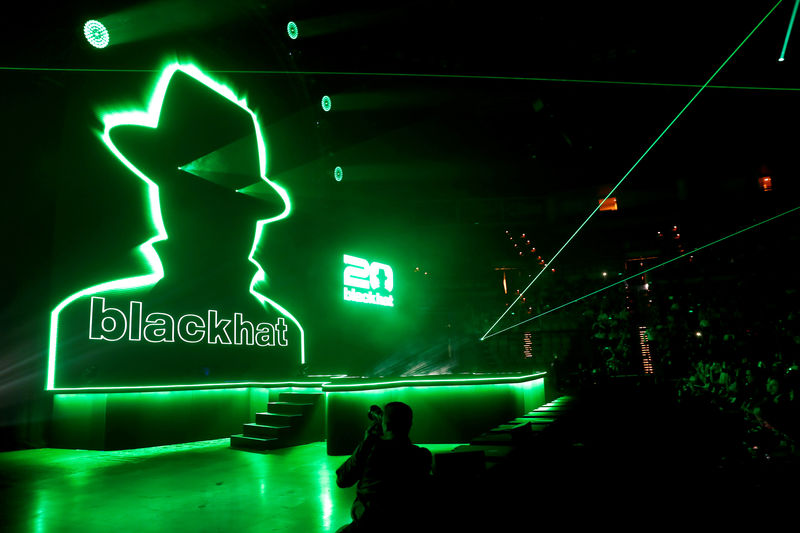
(112, 324)
(360, 275)
(162, 326)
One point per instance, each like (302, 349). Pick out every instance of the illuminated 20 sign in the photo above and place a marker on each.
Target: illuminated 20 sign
(361, 278)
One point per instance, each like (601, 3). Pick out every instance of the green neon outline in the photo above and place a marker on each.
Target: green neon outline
(149, 118)
(89, 31)
(415, 75)
(789, 30)
(202, 386)
(437, 382)
(611, 192)
(647, 270)
(327, 385)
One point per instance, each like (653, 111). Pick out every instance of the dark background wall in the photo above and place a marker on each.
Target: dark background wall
(436, 169)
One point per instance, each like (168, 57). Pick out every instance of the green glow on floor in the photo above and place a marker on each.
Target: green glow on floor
(200, 486)
(96, 33)
(149, 118)
(647, 270)
(789, 30)
(611, 192)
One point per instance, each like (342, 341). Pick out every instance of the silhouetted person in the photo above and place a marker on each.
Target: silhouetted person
(393, 475)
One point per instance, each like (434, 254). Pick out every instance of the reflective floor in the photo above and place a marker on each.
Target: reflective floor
(198, 487)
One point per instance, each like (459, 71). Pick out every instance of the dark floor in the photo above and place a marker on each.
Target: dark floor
(634, 455)
(630, 457)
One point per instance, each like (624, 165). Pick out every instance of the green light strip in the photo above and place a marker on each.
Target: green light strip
(149, 119)
(417, 75)
(611, 192)
(646, 270)
(204, 386)
(46, 69)
(330, 387)
(789, 30)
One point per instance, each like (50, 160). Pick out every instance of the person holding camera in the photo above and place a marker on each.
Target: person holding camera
(393, 475)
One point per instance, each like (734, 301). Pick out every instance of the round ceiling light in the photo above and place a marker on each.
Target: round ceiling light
(96, 33)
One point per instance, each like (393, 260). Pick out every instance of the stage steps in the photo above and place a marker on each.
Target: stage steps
(296, 418)
(496, 445)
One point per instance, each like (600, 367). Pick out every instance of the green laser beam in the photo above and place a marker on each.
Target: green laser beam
(611, 193)
(418, 75)
(646, 270)
(789, 30)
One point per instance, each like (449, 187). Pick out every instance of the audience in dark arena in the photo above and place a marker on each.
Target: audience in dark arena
(731, 342)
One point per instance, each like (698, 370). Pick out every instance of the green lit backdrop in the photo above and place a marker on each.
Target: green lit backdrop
(243, 273)
(252, 228)
(194, 315)
(419, 154)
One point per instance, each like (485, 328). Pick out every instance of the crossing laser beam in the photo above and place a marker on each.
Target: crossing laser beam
(646, 270)
(789, 30)
(611, 192)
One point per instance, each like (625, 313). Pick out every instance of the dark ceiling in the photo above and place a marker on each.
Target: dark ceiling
(486, 109)
(589, 132)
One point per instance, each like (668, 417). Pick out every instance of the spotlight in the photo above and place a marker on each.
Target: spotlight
(326, 103)
(338, 173)
(292, 30)
(789, 30)
(96, 33)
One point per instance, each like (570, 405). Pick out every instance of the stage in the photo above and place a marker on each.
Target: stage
(447, 408)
